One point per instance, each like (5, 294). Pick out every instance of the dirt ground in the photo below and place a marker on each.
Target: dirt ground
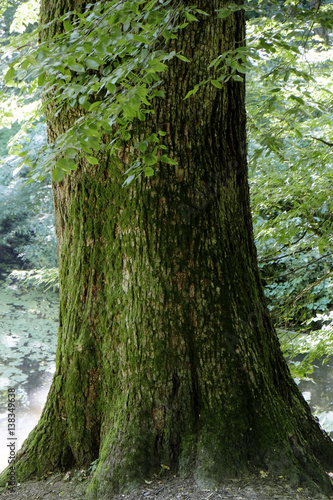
(166, 487)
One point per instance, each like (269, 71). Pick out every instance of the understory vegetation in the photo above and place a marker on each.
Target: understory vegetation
(290, 160)
(288, 66)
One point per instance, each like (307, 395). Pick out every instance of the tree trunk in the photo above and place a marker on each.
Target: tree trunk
(166, 351)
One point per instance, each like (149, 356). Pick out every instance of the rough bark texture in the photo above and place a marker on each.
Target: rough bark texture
(166, 352)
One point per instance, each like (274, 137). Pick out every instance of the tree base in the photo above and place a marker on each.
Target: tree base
(211, 465)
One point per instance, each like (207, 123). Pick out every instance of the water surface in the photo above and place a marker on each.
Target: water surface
(28, 338)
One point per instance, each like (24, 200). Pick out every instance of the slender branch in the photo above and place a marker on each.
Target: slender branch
(322, 140)
(274, 259)
(306, 265)
(312, 285)
(268, 259)
(312, 24)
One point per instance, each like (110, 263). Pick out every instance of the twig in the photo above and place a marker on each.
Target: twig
(306, 265)
(312, 285)
(322, 140)
(268, 259)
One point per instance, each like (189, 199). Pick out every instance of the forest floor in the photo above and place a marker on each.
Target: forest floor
(165, 487)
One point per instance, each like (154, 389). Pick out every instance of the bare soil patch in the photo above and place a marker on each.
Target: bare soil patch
(166, 487)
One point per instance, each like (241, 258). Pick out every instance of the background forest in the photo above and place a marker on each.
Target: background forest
(288, 68)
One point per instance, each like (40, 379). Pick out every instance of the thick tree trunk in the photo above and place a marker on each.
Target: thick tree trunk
(166, 352)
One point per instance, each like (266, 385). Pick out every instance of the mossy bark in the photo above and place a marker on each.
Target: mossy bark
(166, 352)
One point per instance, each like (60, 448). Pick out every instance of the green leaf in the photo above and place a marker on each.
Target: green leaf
(159, 93)
(158, 66)
(68, 26)
(167, 35)
(199, 11)
(111, 87)
(84, 148)
(192, 92)
(297, 99)
(223, 13)
(41, 79)
(95, 105)
(216, 84)
(93, 143)
(93, 62)
(105, 126)
(11, 83)
(148, 171)
(182, 58)
(150, 159)
(92, 131)
(125, 135)
(78, 68)
(83, 99)
(58, 174)
(88, 47)
(237, 78)
(170, 161)
(190, 17)
(141, 116)
(92, 160)
(142, 146)
(71, 153)
(101, 47)
(66, 164)
(10, 75)
(32, 60)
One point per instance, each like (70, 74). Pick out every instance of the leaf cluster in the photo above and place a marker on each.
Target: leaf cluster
(107, 63)
(289, 102)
